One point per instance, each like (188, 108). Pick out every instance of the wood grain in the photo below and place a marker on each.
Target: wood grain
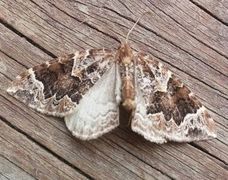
(189, 37)
(9, 170)
(32, 158)
(217, 9)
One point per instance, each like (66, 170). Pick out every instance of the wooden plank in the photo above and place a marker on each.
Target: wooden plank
(217, 9)
(40, 122)
(9, 170)
(36, 31)
(31, 158)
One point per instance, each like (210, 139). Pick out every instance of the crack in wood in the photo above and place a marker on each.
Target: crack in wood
(14, 59)
(6, 24)
(208, 12)
(207, 152)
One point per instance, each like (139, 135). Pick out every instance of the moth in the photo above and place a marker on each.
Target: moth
(87, 88)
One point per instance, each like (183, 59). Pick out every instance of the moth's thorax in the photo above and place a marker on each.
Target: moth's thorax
(126, 62)
(125, 54)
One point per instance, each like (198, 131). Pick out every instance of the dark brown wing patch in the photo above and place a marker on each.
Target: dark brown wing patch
(175, 103)
(57, 79)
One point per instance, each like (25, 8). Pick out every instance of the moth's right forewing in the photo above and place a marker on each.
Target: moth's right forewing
(166, 109)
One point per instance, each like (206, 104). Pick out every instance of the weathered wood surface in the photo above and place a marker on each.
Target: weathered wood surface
(189, 36)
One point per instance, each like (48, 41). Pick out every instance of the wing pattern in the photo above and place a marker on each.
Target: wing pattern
(57, 86)
(166, 108)
(87, 87)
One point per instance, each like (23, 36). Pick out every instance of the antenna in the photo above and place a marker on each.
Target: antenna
(129, 32)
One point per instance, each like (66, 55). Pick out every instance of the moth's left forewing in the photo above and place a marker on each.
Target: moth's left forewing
(56, 87)
(166, 108)
(37, 87)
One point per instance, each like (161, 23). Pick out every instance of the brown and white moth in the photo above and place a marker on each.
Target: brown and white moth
(87, 87)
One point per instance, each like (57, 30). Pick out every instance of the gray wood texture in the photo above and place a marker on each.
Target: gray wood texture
(189, 36)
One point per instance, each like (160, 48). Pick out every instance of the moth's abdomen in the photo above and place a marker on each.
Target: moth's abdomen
(128, 93)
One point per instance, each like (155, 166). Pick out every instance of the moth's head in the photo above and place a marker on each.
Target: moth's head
(125, 54)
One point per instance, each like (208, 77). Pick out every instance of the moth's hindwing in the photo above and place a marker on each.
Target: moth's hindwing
(98, 111)
(166, 108)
